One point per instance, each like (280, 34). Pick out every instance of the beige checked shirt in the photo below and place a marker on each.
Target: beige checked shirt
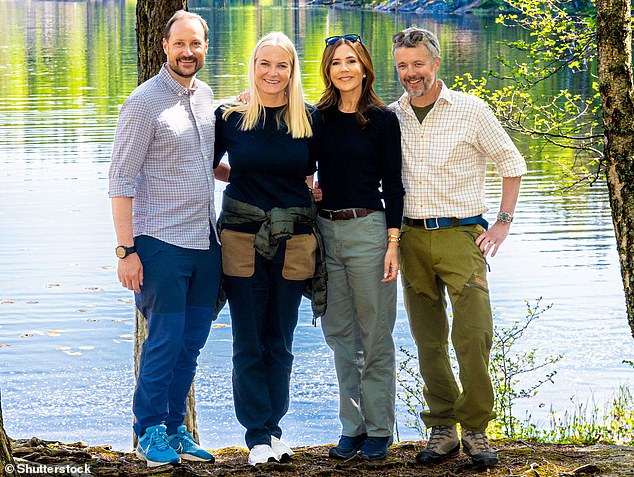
(444, 158)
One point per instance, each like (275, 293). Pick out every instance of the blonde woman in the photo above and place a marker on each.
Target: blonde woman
(268, 236)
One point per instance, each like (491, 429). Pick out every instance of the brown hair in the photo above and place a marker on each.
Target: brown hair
(179, 15)
(331, 95)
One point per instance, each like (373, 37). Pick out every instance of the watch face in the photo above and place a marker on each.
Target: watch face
(120, 251)
(505, 217)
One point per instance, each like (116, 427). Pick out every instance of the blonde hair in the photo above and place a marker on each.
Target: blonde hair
(294, 114)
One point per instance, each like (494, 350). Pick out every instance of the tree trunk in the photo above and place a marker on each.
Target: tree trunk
(151, 18)
(614, 45)
(7, 465)
(139, 337)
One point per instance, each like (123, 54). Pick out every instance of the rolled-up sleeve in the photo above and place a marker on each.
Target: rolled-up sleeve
(135, 131)
(495, 143)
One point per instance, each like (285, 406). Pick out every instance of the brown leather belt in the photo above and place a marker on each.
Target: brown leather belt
(345, 214)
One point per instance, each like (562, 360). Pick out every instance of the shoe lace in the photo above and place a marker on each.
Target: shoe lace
(479, 441)
(438, 434)
(159, 440)
(186, 439)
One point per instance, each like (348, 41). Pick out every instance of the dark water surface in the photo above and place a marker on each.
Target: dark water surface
(66, 325)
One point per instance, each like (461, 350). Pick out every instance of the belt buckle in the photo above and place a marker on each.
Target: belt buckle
(431, 228)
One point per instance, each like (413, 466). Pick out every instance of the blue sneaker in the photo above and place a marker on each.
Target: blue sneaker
(154, 448)
(185, 446)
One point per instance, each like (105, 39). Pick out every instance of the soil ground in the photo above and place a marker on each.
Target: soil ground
(516, 459)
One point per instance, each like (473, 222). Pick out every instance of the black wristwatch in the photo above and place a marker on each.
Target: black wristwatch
(123, 252)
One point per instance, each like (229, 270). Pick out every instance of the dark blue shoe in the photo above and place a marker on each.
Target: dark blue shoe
(347, 447)
(375, 448)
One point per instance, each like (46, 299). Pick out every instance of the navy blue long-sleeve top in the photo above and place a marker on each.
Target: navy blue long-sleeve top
(268, 166)
(360, 167)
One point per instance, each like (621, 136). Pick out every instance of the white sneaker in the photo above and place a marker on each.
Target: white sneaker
(281, 450)
(261, 454)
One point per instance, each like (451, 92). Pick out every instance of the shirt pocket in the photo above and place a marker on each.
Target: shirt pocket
(300, 257)
(238, 253)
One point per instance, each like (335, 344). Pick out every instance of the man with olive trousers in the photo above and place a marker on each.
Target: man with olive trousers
(447, 139)
(162, 190)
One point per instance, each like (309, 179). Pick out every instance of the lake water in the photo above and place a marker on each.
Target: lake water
(66, 325)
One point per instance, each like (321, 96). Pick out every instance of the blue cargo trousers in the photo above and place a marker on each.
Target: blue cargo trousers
(264, 297)
(178, 299)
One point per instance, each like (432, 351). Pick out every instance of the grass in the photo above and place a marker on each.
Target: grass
(584, 423)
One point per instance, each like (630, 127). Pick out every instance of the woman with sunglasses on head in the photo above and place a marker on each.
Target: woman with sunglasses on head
(357, 146)
(268, 236)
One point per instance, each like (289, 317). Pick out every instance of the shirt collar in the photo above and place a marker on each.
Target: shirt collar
(174, 85)
(444, 96)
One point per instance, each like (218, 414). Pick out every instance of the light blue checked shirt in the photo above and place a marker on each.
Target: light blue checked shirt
(162, 158)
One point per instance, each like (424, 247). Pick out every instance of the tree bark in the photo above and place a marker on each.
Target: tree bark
(139, 337)
(7, 465)
(151, 18)
(614, 45)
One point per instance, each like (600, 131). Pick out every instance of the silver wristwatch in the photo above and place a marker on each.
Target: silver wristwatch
(505, 217)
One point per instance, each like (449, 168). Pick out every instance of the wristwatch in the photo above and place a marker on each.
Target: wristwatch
(505, 217)
(123, 252)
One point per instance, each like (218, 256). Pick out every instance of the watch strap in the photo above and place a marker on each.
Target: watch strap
(122, 251)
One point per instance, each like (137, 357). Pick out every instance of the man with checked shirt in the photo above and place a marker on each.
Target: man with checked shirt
(162, 190)
(447, 137)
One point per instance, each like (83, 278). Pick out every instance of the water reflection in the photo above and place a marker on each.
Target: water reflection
(65, 68)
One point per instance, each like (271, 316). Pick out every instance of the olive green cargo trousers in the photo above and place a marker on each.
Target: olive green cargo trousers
(432, 262)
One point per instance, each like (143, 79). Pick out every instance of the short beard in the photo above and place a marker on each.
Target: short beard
(421, 90)
(181, 73)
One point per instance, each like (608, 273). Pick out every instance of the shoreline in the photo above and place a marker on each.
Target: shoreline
(39, 457)
(416, 7)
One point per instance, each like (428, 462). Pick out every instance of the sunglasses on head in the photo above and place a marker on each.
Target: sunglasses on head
(414, 36)
(331, 40)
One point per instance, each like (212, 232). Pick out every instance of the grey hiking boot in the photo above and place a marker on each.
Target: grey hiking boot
(476, 445)
(443, 443)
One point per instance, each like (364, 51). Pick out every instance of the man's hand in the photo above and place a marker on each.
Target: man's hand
(490, 240)
(130, 271)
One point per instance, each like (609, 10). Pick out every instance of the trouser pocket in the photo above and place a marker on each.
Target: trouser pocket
(238, 253)
(300, 256)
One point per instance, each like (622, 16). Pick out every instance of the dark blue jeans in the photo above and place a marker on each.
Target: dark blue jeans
(178, 298)
(264, 309)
